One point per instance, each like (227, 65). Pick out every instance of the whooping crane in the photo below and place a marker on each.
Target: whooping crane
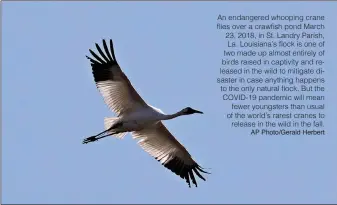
(139, 118)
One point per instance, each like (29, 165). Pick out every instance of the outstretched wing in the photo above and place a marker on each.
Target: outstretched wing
(112, 83)
(161, 144)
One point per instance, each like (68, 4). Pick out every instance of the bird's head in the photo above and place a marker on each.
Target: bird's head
(189, 111)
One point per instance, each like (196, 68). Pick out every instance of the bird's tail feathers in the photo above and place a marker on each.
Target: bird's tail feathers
(108, 122)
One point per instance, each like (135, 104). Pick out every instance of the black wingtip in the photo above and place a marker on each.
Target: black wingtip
(112, 50)
(195, 169)
(186, 172)
(106, 50)
(104, 58)
(202, 169)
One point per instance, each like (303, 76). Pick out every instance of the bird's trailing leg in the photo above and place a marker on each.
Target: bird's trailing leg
(97, 137)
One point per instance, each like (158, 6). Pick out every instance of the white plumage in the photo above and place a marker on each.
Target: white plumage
(134, 115)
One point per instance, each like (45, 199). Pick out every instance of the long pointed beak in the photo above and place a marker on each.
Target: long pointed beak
(197, 111)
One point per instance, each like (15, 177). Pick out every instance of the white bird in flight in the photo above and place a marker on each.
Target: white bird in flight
(136, 116)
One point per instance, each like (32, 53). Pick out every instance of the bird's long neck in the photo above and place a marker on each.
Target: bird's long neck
(168, 117)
